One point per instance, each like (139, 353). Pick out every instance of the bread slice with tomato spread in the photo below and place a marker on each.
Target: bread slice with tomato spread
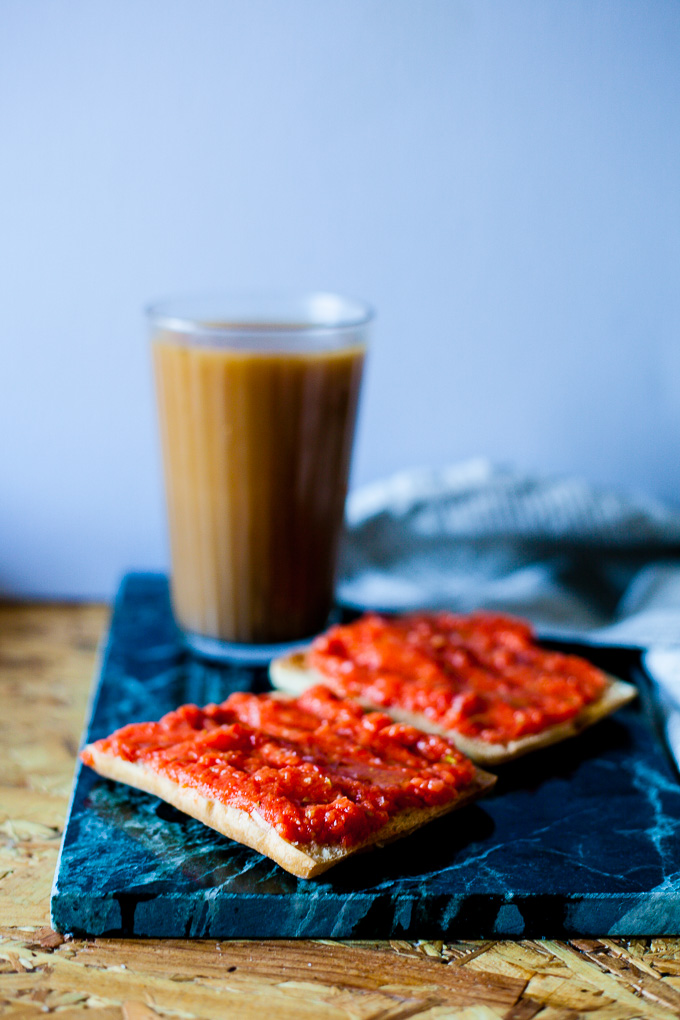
(205, 763)
(501, 651)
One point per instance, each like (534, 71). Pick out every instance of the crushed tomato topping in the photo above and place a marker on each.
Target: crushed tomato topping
(318, 769)
(481, 675)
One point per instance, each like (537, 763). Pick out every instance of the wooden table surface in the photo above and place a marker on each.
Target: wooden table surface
(47, 660)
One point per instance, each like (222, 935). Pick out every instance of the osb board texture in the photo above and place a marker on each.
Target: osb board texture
(47, 659)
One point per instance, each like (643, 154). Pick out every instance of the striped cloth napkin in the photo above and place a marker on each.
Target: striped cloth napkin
(581, 563)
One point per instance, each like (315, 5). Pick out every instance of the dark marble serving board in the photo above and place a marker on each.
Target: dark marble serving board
(578, 839)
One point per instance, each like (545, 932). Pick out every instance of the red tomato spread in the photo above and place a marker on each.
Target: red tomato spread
(318, 769)
(481, 675)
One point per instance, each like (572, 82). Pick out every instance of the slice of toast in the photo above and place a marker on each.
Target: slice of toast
(248, 826)
(293, 674)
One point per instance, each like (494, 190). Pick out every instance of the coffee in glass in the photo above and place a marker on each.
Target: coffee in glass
(257, 399)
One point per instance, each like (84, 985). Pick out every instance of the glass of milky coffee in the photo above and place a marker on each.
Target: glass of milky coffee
(257, 398)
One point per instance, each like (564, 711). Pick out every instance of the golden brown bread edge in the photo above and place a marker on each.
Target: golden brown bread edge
(249, 828)
(292, 674)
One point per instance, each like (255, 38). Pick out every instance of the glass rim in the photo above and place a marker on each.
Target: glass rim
(171, 313)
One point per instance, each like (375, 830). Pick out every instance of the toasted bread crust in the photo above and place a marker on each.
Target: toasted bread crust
(292, 674)
(306, 861)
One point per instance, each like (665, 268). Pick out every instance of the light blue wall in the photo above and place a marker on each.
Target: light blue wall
(499, 177)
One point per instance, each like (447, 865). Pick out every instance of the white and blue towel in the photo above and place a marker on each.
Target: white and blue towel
(581, 563)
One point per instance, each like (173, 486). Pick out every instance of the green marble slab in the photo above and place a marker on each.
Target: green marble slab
(579, 839)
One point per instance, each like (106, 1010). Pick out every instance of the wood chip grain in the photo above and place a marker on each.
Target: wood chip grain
(47, 657)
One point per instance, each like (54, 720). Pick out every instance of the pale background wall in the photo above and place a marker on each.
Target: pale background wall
(499, 177)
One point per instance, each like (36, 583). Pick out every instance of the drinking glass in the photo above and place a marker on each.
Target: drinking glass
(257, 398)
